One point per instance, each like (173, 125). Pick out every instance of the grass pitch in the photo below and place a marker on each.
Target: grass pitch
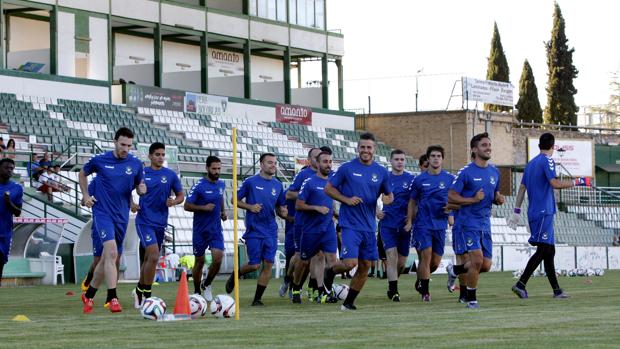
(589, 319)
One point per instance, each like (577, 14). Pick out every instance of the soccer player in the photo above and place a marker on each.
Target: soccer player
(291, 196)
(318, 232)
(289, 246)
(429, 198)
(392, 229)
(539, 181)
(458, 246)
(206, 200)
(152, 217)
(118, 173)
(357, 184)
(476, 189)
(10, 205)
(264, 198)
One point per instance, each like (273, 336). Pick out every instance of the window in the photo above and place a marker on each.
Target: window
(292, 11)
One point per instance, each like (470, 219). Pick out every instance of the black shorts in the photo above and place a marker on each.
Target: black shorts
(380, 248)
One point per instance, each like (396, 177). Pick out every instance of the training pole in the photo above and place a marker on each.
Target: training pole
(235, 226)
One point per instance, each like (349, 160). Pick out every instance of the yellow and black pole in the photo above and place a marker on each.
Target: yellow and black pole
(235, 226)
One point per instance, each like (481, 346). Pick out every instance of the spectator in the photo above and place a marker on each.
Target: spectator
(34, 167)
(2, 145)
(10, 149)
(50, 182)
(46, 160)
(616, 241)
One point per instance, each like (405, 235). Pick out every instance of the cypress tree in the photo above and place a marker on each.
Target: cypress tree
(528, 104)
(497, 68)
(561, 107)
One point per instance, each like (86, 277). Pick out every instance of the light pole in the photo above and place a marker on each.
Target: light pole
(416, 87)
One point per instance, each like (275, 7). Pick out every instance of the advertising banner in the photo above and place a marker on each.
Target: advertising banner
(205, 104)
(154, 97)
(487, 91)
(293, 114)
(577, 157)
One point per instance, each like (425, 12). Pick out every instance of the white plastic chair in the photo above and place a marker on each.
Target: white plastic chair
(280, 264)
(59, 270)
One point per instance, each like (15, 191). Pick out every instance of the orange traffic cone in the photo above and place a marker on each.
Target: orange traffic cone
(181, 307)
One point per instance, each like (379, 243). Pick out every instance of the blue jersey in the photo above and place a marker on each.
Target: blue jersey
(116, 179)
(290, 208)
(207, 192)
(6, 213)
(267, 192)
(159, 184)
(298, 181)
(431, 193)
(538, 172)
(366, 182)
(396, 212)
(313, 193)
(469, 180)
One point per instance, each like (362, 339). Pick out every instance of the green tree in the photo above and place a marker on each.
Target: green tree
(497, 68)
(561, 107)
(528, 104)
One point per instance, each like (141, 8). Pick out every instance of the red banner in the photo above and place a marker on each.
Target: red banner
(294, 114)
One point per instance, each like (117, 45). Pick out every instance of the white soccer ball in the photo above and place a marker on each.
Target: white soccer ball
(572, 272)
(590, 272)
(599, 272)
(197, 306)
(341, 291)
(222, 306)
(153, 308)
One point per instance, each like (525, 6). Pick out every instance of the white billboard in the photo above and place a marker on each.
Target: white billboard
(577, 157)
(488, 91)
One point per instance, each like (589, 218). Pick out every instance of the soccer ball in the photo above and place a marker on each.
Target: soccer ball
(222, 306)
(341, 291)
(599, 272)
(197, 306)
(153, 308)
(590, 272)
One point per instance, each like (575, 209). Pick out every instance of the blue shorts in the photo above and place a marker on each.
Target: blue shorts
(359, 245)
(395, 237)
(458, 242)
(541, 230)
(5, 248)
(202, 241)
(261, 249)
(312, 243)
(104, 229)
(297, 237)
(150, 235)
(476, 240)
(433, 238)
(289, 240)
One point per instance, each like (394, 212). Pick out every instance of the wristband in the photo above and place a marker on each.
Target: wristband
(517, 210)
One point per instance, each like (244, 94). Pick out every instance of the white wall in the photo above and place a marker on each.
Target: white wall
(184, 81)
(141, 74)
(128, 45)
(308, 40)
(102, 6)
(227, 25)
(139, 9)
(273, 68)
(260, 31)
(226, 86)
(53, 89)
(98, 31)
(333, 121)
(272, 91)
(16, 59)
(66, 44)
(171, 15)
(28, 34)
(309, 96)
(174, 53)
